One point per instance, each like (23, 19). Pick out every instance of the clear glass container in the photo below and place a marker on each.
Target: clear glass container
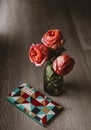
(53, 83)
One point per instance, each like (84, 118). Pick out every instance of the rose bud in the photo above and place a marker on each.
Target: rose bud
(38, 54)
(63, 64)
(53, 39)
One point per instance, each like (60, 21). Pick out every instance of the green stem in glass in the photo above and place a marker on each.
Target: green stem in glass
(53, 83)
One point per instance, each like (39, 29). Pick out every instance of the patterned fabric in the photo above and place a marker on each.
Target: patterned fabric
(36, 105)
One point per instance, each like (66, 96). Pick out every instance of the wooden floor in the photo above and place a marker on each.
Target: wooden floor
(23, 22)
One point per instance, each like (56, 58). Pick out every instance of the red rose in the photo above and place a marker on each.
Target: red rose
(63, 64)
(53, 39)
(38, 54)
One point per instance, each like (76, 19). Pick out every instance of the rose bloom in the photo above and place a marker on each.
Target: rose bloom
(53, 39)
(63, 64)
(38, 54)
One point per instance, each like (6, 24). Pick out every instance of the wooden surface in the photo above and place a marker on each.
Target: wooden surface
(23, 22)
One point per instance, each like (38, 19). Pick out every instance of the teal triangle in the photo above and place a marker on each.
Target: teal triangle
(21, 107)
(28, 86)
(49, 116)
(40, 113)
(50, 107)
(11, 99)
(29, 99)
(32, 106)
(40, 107)
(48, 99)
(33, 89)
(39, 97)
(17, 90)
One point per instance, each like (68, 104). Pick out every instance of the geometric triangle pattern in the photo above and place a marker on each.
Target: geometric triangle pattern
(35, 104)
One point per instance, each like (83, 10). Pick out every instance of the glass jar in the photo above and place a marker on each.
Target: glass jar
(53, 83)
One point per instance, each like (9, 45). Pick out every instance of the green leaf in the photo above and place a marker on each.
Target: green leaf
(49, 71)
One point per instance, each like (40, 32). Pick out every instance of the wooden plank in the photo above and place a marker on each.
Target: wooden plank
(81, 15)
(88, 59)
(24, 22)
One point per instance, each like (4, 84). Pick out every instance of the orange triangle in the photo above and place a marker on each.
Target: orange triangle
(33, 95)
(43, 102)
(22, 93)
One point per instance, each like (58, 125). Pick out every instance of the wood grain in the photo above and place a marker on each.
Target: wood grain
(23, 22)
